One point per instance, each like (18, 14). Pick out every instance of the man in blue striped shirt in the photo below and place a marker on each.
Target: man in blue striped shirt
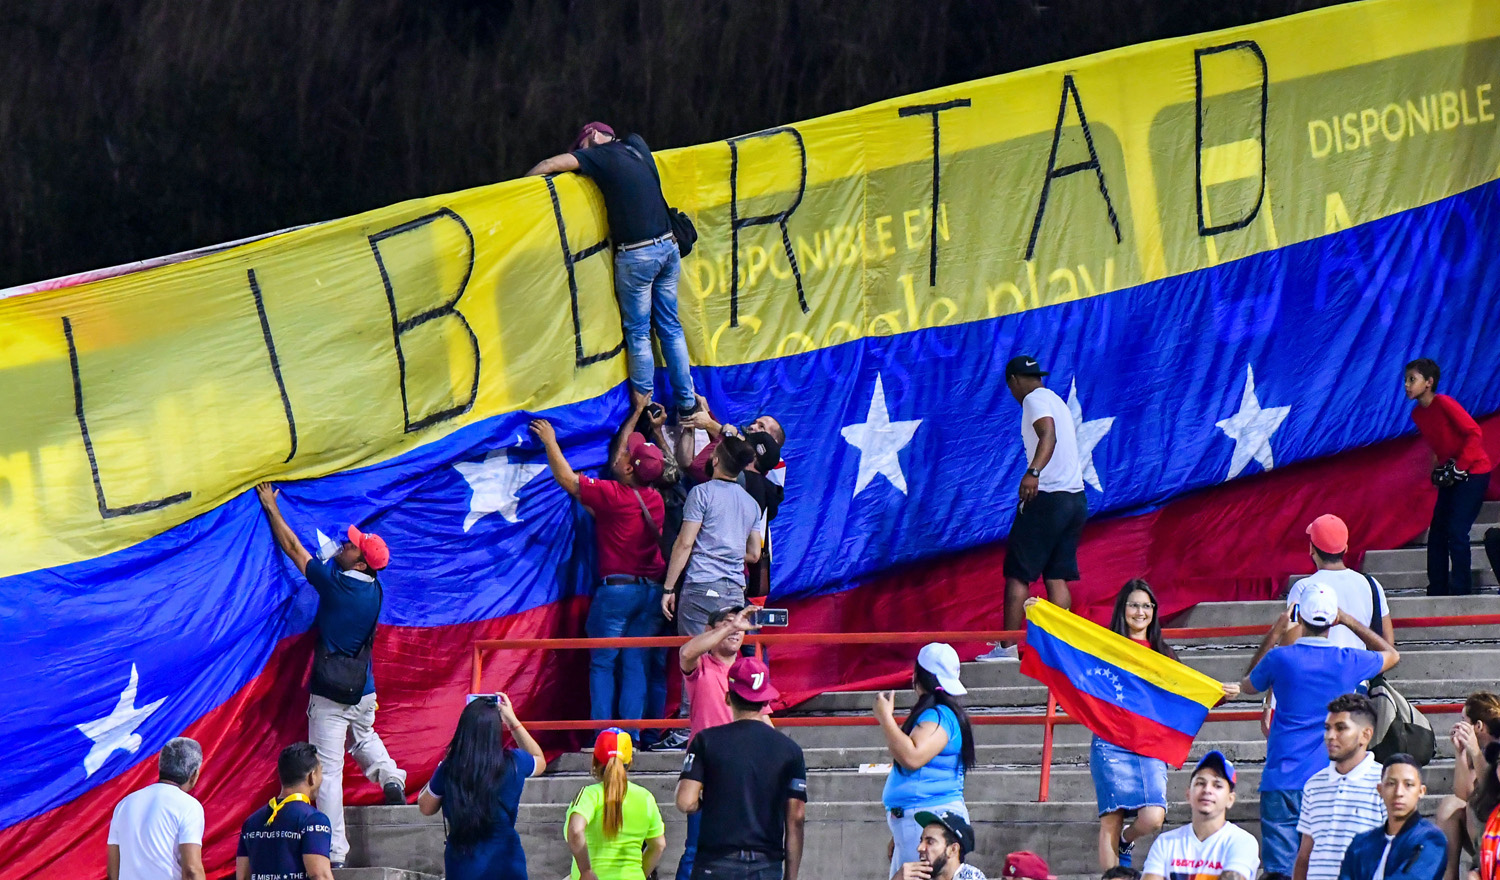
(1343, 799)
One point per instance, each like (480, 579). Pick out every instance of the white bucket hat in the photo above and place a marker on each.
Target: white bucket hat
(941, 660)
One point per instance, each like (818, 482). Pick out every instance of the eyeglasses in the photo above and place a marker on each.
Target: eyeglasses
(1140, 606)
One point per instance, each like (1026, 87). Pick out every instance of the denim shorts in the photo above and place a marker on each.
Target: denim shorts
(1124, 780)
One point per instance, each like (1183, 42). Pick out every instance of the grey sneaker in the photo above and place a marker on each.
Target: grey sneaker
(999, 653)
(394, 793)
(675, 741)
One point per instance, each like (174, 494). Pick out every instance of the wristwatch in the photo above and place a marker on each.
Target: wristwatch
(1033, 472)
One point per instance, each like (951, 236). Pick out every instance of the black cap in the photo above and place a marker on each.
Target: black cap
(953, 822)
(767, 450)
(1024, 365)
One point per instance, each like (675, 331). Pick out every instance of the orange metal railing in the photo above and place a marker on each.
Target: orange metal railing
(1053, 716)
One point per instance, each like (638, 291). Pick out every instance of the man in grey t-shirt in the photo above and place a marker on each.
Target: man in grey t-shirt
(720, 536)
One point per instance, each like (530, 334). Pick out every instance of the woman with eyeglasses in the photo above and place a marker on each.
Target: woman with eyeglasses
(478, 785)
(1126, 783)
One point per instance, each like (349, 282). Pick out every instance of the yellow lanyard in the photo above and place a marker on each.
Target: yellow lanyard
(291, 798)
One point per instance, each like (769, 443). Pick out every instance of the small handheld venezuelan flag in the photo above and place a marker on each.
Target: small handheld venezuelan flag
(1124, 692)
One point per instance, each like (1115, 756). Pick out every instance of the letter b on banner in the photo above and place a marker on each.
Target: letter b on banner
(425, 266)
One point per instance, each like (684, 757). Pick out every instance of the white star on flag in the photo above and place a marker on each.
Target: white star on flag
(496, 483)
(1251, 429)
(880, 441)
(117, 729)
(1089, 434)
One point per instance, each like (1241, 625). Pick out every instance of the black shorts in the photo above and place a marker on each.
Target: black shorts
(1043, 540)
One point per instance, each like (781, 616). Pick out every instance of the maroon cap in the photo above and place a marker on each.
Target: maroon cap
(1026, 864)
(592, 127)
(751, 680)
(645, 458)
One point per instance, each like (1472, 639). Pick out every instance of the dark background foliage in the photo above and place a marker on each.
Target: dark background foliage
(135, 128)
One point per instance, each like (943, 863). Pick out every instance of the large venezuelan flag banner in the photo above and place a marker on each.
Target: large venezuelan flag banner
(1125, 693)
(1224, 246)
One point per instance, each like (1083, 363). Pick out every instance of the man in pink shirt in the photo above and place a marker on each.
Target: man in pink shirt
(706, 661)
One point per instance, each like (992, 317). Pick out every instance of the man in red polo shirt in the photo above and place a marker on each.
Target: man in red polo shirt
(1462, 475)
(628, 513)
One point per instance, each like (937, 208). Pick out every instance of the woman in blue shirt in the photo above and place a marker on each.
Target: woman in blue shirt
(478, 787)
(931, 752)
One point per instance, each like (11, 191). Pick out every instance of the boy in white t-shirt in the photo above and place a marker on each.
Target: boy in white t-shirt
(1211, 847)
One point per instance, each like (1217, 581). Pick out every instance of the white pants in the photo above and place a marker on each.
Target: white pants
(332, 727)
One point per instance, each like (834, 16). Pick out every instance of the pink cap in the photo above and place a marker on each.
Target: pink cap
(1329, 534)
(751, 680)
(645, 458)
(591, 128)
(371, 547)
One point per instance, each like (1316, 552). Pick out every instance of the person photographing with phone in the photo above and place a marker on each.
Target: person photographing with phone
(477, 787)
(705, 661)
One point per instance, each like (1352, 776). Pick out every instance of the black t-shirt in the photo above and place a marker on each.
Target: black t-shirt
(749, 771)
(625, 174)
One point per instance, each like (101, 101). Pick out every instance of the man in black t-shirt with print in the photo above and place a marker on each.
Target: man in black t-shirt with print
(647, 262)
(288, 839)
(750, 783)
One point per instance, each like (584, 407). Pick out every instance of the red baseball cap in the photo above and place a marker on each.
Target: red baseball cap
(372, 547)
(591, 128)
(1329, 534)
(646, 458)
(1027, 864)
(751, 680)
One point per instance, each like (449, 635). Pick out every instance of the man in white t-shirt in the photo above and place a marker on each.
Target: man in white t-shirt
(1328, 541)
(1343, 799)
(1211, 846)
(1043, 541)
(157, 833)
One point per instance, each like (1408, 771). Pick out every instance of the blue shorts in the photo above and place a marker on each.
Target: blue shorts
(1124, 780)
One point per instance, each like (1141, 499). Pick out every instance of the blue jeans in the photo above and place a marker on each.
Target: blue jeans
(1279, 839)
(1448, 539)
(617, 678)
(646, 286)
(689, 846)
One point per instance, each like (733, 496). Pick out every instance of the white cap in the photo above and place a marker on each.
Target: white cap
(1319, 606)
(941, 660)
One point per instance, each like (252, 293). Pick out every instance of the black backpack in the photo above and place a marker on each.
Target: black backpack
(1399, 726)
(341, 677)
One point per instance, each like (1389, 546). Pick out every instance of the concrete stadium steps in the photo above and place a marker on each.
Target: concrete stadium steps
(846, 832)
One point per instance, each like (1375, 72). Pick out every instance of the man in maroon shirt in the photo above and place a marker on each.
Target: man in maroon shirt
(1455, 439)
(628, 513)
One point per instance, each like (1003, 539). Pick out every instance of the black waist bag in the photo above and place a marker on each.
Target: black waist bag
(341, 677)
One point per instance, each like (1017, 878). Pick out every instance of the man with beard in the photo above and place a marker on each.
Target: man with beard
(946, 839)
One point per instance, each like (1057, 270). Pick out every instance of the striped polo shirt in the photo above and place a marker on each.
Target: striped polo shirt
(1334, 809)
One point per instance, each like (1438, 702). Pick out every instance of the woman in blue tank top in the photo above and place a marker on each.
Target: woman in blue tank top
(930, 752)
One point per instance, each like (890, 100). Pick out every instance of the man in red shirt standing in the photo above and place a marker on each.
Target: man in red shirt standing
(1462, 475)
(628, 514)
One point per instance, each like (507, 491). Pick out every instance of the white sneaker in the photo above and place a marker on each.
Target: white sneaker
(1000, 654)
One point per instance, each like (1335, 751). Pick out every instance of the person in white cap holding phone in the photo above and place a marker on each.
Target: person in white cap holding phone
(930, 752)
(1305, 677)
